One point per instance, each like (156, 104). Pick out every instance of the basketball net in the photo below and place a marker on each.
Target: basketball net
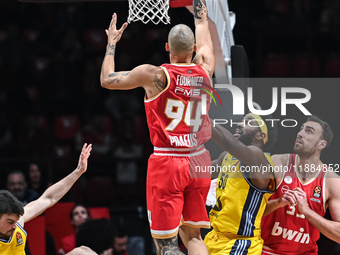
(149, 10)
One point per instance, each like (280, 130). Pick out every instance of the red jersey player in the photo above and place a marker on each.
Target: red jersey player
(306, 188)
(178, 128)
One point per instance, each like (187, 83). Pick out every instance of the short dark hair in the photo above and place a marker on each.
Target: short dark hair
(97, 234)
(16, 171)
(327, 133)
(272, 132)
(10, 204)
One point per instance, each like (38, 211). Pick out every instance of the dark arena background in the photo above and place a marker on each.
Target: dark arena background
(51, 101)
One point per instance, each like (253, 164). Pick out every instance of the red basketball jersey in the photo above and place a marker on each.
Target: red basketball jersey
(286, 230)
(178, 116)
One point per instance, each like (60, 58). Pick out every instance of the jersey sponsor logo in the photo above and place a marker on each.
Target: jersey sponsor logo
(315, 200)
(288, 179)
(183, 140)
(284, 188)
(187, 92)
(291, 235)
(317, 192)
(19, 238)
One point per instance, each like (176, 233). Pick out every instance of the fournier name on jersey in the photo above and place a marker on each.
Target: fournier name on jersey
(188, 81)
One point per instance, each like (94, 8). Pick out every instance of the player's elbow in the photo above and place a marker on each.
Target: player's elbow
(104, 83)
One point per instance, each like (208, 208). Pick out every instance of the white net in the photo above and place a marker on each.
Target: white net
(149, 10)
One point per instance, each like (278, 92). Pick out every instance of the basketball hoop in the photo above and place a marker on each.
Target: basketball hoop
(149, 10)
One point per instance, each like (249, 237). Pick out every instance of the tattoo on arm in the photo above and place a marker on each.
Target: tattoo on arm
(110, 50)
(160, 85)
(168, 246)
(119, 76)
(200, 9)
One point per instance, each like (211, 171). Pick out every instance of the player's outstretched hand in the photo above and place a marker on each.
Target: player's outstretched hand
(84, 155)
(114, 35)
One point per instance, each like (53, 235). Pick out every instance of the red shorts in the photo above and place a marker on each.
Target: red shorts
(174, 197)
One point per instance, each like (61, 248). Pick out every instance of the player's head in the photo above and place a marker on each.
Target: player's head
(181, 40)
(97, 234)
(254, 130)
(314, 136)
(16, 184)
(78, 215)
(10, 211)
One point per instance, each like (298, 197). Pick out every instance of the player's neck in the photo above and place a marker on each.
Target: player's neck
(180, 59)
(4, 237)
(308, 167)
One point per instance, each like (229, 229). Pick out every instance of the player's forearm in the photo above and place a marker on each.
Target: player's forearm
(272, 205)
(329, 228)
(54, 193)
(202, 31)
(222, 137)
(200, 12)
(108, 66)
(51, 196)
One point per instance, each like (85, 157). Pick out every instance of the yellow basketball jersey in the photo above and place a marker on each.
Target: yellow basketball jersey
(240, 205)
(16, 244)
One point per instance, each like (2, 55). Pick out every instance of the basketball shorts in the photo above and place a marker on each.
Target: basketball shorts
(222, 244)
(174, 197)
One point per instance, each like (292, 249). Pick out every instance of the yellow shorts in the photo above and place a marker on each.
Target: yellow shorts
(222, 244)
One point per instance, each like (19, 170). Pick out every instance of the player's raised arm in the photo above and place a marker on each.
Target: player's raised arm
(249, 155)
(108, 76)
(205, 53)
(54, 193)
(150, 77)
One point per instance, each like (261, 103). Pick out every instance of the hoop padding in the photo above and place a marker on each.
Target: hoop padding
(180, 3)
(149, 10)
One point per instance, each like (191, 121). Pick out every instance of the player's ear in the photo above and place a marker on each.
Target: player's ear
(322, 144)
(167, 47)
(260, 136)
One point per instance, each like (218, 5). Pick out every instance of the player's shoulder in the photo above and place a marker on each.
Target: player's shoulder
(332, 181)
(222, 156)
(280, 159)
(148, 68)
(147, 73)
(332, 184)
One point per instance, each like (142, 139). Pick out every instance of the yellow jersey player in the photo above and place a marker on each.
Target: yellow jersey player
(245, 183)
(13, 215)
